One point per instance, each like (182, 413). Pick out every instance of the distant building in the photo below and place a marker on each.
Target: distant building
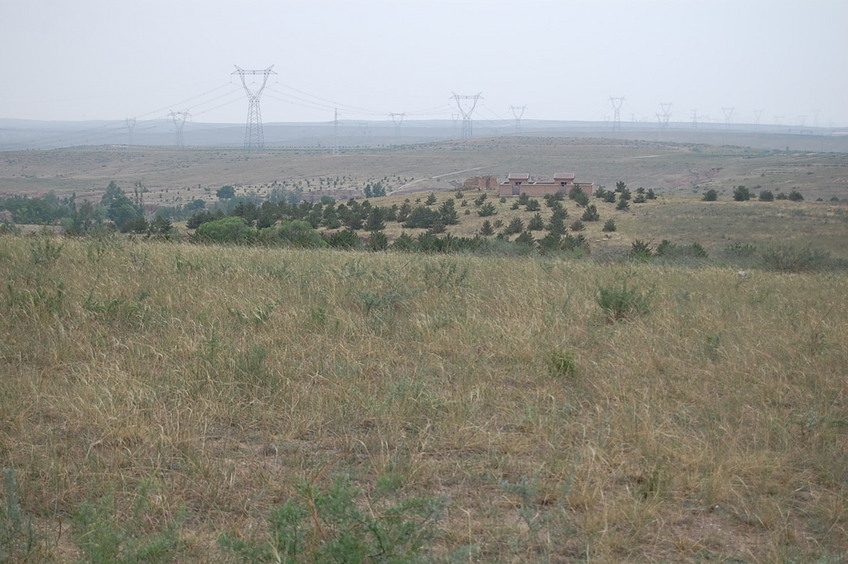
(523, 183)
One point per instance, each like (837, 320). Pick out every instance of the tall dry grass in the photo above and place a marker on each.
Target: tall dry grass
(711, 427)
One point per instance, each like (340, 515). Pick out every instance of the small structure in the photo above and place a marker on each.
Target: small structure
(522, 183)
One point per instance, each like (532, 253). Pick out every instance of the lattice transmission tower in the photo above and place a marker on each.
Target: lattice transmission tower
(179, 119)
(397, 121)
(254, 137)
(130, 127)
(470, 102)
(616, 107)
(518, 113)
(665, 115)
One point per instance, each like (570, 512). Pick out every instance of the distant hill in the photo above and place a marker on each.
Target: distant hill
(30, 134)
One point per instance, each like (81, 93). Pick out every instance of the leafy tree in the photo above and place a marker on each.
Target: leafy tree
(135, 224)
(297, 233)
(118, 207)
(227, 230)
(710, 195)
(226, 192)
(421, 217)
(345, 239)
(741, 194)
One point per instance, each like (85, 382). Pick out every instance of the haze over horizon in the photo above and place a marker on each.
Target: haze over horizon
(745, 62)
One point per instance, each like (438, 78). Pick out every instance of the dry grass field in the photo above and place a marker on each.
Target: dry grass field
(152, 385)
(171, 402)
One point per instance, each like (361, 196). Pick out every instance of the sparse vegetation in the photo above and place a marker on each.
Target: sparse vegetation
(311, 390)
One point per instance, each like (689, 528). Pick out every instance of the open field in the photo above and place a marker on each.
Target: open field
(178, 176)
(149, 383)
(164, 401)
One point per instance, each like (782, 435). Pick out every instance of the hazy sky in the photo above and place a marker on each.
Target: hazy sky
(114, 59)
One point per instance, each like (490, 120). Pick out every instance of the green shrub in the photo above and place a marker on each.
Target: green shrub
(795, 196)
(710, 195)
(329, 525)
(640, 250)
(609, 226)
(487, 209)
(227, 230)
(18, 540)
(766, 196)
(104, 536)
(786, 258)
(591, 213)
(741, 194)
(560, 363)
(621, 301)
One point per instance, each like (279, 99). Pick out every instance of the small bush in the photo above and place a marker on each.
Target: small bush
(766, 196)
(640, 250)
(560, 364)
(786, 258)
(621, 302)
(487, 209)
(609, 226)
(795, 196)
(591, 213)
(329, 525)
(710, 195)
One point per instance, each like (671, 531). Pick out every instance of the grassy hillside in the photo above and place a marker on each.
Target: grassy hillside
(159, 396)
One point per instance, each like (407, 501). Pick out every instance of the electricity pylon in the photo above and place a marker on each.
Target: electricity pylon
(179, 119)
(466, 110)
(518, 113)
(130, 127)
(397, 120)
(254, 137)
(666, 114)
(616, 106)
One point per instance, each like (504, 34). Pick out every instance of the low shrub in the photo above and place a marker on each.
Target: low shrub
(331, 525)
(622, 301)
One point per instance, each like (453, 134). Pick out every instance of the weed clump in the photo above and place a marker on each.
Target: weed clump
(622, 301)
(338, 524)
(561, 364)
